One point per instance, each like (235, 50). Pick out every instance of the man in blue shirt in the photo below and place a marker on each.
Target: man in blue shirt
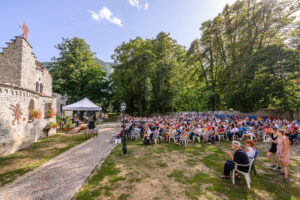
(242, 130)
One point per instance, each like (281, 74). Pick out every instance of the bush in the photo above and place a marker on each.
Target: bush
(68, 123)
(58, 119)
(113, 114)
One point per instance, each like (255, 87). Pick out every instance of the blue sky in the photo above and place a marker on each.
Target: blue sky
(103, 24)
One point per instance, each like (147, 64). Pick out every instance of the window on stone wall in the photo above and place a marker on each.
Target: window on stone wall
(48, 106)
(30, 108)
(37, 86)
(41, 88)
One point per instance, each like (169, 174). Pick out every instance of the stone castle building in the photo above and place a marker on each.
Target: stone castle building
(25, 86)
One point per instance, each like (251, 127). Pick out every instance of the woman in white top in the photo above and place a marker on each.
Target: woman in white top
(249, 149)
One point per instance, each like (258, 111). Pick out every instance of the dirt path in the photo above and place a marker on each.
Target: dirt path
(61, 177)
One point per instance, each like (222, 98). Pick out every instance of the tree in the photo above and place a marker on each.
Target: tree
(144, 74)
(76, 73)
(278, 67)
(133, 63)
(167, 63)
(219, 58)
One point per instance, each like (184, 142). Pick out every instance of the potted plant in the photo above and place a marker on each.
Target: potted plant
(51, 113)
(68, 125)
(35, 114)
(51, 125)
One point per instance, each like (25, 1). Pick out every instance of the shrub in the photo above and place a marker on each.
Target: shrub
(113, 114)
(68, 123)
(58, 119)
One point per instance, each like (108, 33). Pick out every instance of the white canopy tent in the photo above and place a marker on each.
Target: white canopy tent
(83, 105)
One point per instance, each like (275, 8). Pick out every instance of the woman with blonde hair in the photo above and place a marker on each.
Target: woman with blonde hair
(283, 152)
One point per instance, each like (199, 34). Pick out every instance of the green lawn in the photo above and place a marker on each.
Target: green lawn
(34, 156)
(167, 171)
(113, 118)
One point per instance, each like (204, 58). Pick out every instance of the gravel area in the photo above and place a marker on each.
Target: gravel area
(61, 177)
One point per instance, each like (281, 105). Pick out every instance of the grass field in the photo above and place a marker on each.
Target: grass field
(167, 171)
(34, 156)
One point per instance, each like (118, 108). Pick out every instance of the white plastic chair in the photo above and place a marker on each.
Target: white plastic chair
(184, 140)
(171, 136)
(160, 137)
(246, 174)
(91, 131)
(196, 137)
(265, 137)
(135, 136)
(235, 136)
(221, 136)
(253, 137)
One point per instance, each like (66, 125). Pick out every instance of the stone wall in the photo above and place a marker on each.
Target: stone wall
(23, 81)
(61, 101)
(295, 115)
(18, 136)
(10, 63)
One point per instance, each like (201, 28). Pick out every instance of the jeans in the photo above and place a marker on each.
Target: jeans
(211, 138)
(292, 138)
(229, 135)
(191, 135)
(229, 165)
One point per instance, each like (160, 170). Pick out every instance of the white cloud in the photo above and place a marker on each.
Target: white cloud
(106, 14)
(135, 3)
(146, 6)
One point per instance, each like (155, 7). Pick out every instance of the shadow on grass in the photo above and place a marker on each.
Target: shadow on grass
(145, 162)
(25, 160)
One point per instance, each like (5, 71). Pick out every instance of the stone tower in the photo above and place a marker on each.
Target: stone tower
(23, 83)
(19, 67)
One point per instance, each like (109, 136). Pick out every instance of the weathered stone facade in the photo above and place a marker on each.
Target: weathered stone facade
(23, 81)
(61, 101)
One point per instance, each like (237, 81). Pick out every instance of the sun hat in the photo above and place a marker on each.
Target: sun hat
(236, 143)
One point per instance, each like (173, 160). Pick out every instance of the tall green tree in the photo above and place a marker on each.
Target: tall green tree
(167, 63)
(227, 43)
(133, 64)
(144, 74)
(76, 73)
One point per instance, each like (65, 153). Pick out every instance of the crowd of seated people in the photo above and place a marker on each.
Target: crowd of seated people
(211, 128)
